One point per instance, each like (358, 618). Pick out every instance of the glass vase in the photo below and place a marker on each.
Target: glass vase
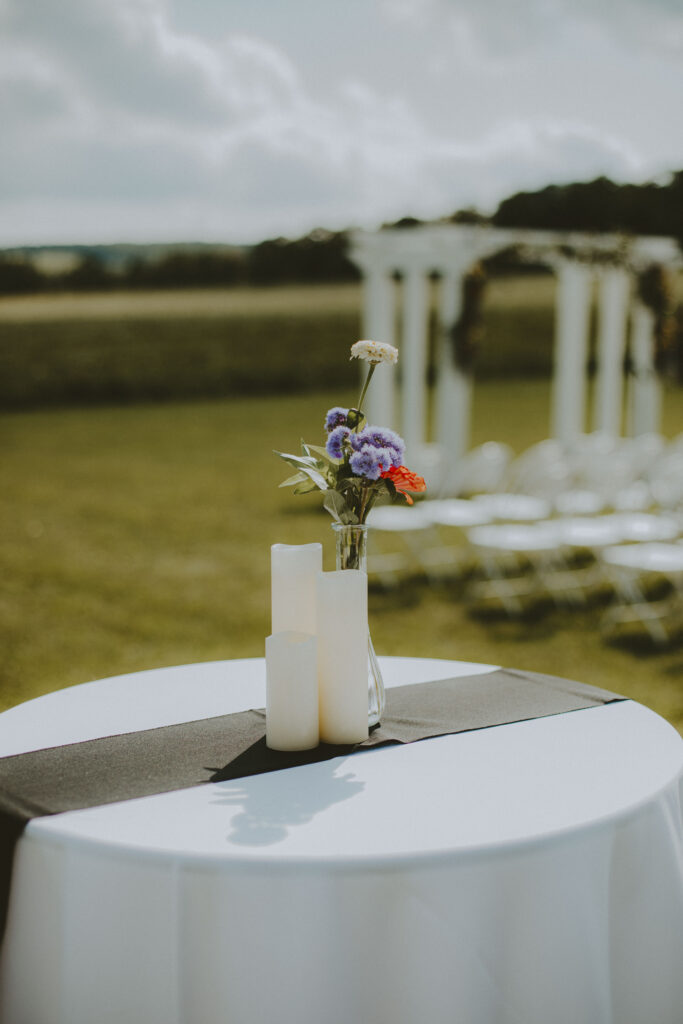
(352, 553)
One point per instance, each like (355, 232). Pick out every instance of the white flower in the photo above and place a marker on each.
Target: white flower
(374, 352)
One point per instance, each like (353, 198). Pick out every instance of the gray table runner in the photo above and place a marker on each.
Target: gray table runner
(123, 767)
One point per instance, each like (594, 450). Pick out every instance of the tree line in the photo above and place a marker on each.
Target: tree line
(600, 205)
(322, 256)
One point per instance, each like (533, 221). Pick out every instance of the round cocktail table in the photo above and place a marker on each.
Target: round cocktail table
(528, 872)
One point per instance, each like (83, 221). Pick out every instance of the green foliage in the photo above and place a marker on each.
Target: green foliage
(18, 276)
(132, 360)
(335, 503)
(600, 205)
(90, 274)
(309, 469)
(319, 257)
(81, 358)
(186, 269)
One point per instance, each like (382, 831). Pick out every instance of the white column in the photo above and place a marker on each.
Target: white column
(379, 325)
(644, 398)
(572, 311)
(614, 296)
(453, 387)
(413, 356)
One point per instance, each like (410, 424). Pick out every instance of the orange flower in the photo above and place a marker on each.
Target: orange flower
(404, 481)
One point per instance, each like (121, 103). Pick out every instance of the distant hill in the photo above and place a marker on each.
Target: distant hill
(116, 257)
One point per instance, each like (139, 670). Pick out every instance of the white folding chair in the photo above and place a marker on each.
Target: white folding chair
(629, 566)
(412, 541)
(577, 502)
(542, 470)
(481, 470)
(514, 508)
(665, 479)
(512, 558)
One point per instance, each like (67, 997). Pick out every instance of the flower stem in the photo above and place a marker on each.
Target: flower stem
(363, 501)
(365, 386)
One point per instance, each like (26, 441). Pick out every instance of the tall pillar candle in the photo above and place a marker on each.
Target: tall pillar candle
(343, 655)
(294, 572)
(291, 691)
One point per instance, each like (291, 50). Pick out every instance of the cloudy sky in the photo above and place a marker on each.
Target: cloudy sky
(236, 120)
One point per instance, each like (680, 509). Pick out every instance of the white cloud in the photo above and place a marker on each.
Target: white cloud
(118, 122)
(263, 192)
(505, 28)
(441, 175)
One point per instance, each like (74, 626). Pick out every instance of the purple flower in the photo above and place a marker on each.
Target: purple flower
(383, 439)
(335, 441)
(367, 462)
(335, 418)
(385, 458)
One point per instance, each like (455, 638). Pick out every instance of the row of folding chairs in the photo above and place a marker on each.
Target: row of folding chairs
(549, 525)
(565, 561)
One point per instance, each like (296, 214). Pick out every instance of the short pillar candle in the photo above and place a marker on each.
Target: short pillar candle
(294, 572)
(291, 691)
(343, 655)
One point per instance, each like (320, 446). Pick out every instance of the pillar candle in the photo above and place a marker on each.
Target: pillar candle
(291, 691)
(294, 571)
(343, 655)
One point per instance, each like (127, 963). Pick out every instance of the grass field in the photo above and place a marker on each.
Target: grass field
(139, 536)
(193, 303)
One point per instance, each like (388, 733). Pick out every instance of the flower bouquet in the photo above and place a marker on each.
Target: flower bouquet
(358, 464)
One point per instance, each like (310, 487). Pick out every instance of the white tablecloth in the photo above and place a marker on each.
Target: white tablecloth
(525, 874)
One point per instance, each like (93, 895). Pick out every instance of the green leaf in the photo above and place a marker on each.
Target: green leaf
(298, 461)
(318, 479)
(335, 504)
(298, 478)
(308, 466)
(322, 454)
(339, 508)
(307, 487)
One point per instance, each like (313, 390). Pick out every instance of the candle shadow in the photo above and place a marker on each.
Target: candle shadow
(272, 804)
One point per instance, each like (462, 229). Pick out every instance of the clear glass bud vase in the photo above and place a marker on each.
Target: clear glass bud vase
(352, 545)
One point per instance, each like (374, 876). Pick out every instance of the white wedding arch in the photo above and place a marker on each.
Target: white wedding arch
(416, 254)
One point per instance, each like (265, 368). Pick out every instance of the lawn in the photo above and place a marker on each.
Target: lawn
(138, 536)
